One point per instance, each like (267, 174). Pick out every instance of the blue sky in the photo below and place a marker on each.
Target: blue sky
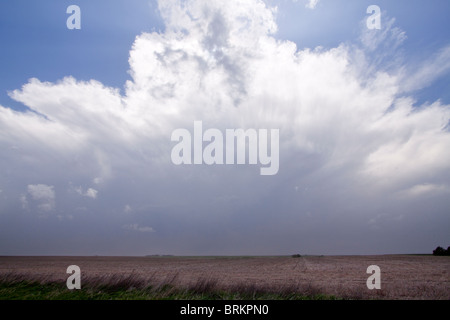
(362, 114)
(40, 45)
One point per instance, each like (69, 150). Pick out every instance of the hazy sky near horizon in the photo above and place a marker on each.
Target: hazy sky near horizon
(86, 118)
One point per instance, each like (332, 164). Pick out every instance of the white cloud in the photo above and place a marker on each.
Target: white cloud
(388, 38)
(223, 66)
(24, 202)
(428, 71)
(425, 189)
(41, 192)
(376, 222)
(63, 218)
(312, 4)
(127, 209)
(43, 195)
(90, 193)
(136, 227)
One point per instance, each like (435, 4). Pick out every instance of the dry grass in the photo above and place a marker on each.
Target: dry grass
(402, 276)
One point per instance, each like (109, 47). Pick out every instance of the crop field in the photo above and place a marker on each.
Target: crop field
(282, 277)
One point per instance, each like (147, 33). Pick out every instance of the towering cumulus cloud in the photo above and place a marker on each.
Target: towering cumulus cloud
(359, 160)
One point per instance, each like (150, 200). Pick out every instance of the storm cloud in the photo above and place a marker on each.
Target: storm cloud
(363, 168)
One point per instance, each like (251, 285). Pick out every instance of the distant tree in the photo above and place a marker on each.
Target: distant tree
(439, 251)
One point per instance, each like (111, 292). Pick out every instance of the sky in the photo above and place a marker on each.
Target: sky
(88, 116)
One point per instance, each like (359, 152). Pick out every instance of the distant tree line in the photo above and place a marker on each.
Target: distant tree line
(439, 251)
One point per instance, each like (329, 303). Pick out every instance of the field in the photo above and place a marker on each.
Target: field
(284, 277)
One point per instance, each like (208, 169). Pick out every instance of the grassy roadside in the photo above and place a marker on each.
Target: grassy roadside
(127, 289)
